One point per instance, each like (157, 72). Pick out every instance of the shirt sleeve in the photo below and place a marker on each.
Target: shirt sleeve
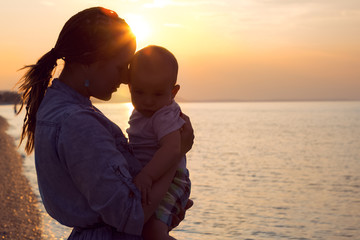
(167, 120)
(100, 171)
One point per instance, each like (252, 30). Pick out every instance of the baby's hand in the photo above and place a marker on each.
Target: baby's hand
(144, 182)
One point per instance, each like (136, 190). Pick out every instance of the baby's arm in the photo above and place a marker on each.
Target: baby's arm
(161, 186)
(168, 155)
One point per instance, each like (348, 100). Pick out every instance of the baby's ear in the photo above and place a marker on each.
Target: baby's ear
(175, 90)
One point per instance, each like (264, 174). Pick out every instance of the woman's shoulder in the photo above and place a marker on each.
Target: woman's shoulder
(58, 110)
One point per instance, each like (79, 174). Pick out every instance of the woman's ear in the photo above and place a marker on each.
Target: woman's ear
(175, 90)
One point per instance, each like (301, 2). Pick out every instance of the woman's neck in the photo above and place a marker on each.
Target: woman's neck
(74, 78)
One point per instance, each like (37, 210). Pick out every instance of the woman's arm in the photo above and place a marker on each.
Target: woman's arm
(98, 174)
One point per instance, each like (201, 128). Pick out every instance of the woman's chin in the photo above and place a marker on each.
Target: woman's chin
(104, 98)
(107, 98)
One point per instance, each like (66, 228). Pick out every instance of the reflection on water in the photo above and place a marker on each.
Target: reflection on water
(285, 170)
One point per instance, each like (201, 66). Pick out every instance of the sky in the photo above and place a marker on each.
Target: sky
(247, 50)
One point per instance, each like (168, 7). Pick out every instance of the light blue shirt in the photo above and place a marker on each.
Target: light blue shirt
(84, 166)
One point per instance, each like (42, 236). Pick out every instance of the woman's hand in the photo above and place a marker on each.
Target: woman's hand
(143, 182)
(187, 135)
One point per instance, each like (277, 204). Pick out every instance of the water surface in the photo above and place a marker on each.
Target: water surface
(262, 170)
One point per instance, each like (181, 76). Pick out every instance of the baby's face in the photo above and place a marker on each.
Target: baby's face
(150, 92)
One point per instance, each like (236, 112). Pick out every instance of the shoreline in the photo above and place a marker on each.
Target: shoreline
(20, 215)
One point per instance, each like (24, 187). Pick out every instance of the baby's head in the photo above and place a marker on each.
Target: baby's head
(153, 74)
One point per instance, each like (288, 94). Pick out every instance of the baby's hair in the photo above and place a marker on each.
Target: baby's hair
(91, 35)
(151, 57)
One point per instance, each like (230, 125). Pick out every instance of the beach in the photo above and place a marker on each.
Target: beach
(20, 216)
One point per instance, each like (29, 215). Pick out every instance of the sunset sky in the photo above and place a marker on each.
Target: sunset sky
(226, 49)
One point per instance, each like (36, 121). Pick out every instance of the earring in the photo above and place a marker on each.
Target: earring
(87, 83)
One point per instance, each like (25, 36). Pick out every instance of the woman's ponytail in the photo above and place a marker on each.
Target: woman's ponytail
(32, 88)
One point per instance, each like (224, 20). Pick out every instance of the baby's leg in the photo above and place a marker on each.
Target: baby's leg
(155, 229)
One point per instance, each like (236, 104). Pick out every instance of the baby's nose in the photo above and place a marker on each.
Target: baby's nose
(149, 101)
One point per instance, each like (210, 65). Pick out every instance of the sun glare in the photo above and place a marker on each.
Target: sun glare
(130, 107)
(138, 26)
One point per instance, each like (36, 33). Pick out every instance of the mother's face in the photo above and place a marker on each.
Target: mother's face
(106, 76)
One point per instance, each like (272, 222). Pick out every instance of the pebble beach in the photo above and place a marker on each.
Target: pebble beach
(20, 215)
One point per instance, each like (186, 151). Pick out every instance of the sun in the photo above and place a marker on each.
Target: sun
(139, 26)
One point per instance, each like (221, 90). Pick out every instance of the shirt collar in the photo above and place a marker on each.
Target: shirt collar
(70, 92)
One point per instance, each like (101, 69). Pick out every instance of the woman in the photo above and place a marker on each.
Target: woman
(84, 166)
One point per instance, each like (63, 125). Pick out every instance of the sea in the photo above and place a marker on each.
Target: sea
(259, 170)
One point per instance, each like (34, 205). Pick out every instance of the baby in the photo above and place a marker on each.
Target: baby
(154, 132)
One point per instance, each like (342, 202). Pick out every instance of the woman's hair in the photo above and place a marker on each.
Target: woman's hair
(91, 35)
